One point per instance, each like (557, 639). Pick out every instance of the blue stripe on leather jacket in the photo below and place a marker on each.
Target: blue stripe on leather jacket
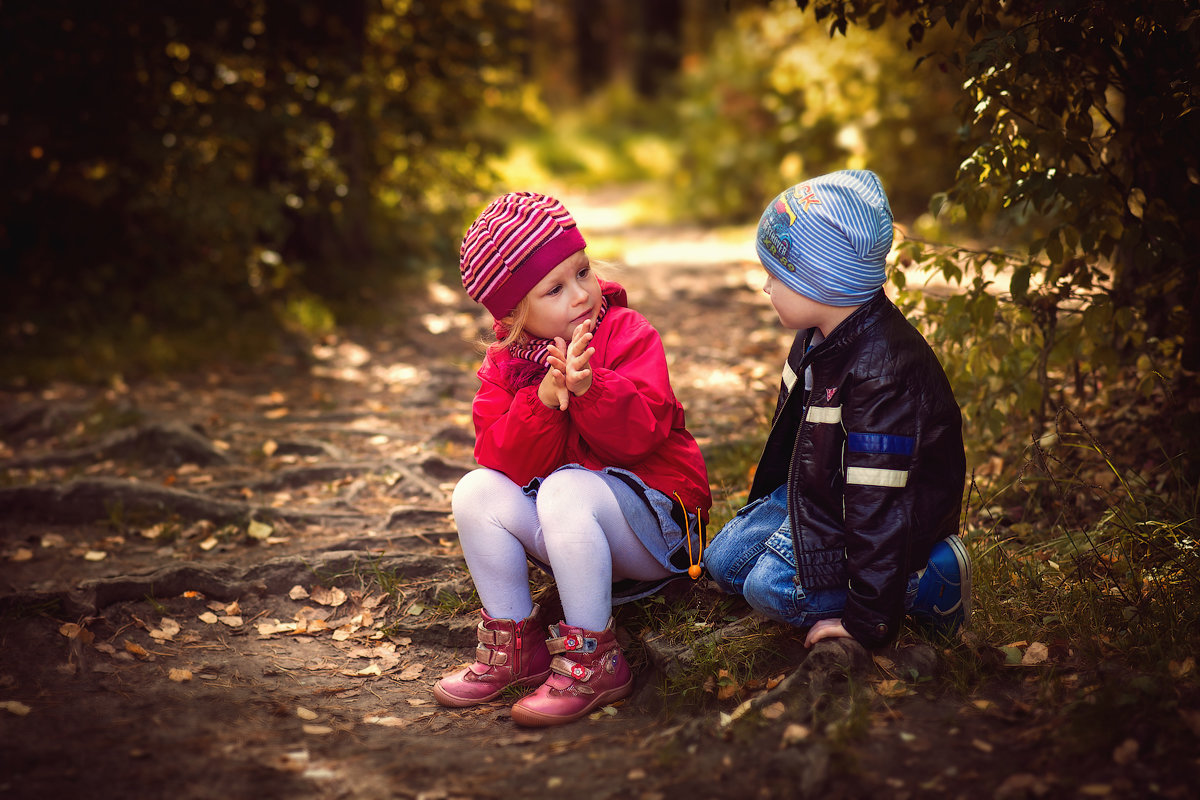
(873, 459)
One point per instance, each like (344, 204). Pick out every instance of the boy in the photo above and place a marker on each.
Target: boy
(854, 507)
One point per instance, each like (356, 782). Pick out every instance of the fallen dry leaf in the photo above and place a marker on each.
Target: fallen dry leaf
(136, 649)
(231, 621)
(774, 711)
(892, 688)
(1182, 669)
(1036, 653)
(317, 730)
(271, 627)
(982, 746)
(73, 631)
(726, 686)
(305, 713)
(21, 554)
(209, 617)
(794, 733)
(391, 722)
(166, 630)
(328, 597)
(373, 669)
(14, 707)
(1126, 752)
(95, 555)
(259, 530)
(411, 672)
(298, 592)
(180, 675)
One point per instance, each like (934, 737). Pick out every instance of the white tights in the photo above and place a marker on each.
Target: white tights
(575, 525)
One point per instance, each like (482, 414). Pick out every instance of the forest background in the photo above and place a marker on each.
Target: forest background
(230, 178)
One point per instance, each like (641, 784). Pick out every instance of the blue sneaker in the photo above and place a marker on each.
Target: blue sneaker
(944, 595)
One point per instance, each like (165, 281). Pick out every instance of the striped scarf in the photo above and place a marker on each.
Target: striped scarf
(537, 349)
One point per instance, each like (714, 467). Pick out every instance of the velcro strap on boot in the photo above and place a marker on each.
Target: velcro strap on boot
(494, 658)
(572, 643)
(577, 672)
(494, 638)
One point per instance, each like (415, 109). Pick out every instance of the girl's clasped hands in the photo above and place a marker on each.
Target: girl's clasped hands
(570, 370)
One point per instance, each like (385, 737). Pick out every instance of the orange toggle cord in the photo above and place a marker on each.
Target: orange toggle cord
(694, 569)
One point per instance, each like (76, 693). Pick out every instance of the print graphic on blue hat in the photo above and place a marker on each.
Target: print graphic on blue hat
(828, 237)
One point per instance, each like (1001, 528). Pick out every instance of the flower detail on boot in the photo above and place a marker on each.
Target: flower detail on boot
(588, 671)
(509, 653)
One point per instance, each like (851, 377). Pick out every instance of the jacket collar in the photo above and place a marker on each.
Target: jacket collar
(851, 328)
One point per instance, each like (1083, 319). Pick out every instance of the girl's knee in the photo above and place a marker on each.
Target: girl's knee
(475, 489)
(568, 492)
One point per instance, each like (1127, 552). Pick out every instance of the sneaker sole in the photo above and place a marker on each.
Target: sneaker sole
(964, 575)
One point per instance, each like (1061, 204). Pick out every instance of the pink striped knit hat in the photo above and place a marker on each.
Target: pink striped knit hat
(512, 245)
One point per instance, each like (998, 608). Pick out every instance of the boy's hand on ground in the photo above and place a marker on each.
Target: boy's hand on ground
(826, 629)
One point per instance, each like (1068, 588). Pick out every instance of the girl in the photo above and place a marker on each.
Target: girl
(587, 468)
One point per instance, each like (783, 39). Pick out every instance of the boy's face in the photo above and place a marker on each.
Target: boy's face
(796, 312)
(568, 296)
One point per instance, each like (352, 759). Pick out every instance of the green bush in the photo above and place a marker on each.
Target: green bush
(777, 100)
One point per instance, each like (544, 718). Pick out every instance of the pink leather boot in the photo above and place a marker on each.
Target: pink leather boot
(510, 653)
(587, 672)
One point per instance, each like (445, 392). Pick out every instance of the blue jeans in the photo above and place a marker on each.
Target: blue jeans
(754, 556)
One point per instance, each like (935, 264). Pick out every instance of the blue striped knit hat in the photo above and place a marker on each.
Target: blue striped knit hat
(828, 238)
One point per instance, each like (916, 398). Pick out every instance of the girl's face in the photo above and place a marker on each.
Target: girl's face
(568, 296)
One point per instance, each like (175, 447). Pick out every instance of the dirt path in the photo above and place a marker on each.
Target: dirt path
(242, 583)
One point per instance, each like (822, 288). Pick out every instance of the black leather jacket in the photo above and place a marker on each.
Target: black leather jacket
(873, 460)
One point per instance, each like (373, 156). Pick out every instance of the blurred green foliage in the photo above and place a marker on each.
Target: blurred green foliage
(203, 175)
(777, 100)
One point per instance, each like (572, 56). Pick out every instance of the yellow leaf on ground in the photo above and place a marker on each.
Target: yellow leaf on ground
(209, 617)
(317, 730)
(371, 670)
(14, 707)
(95, 555)
(298, 592)
(982, 746)
(180, 675)
(259, 530)
(305, 713)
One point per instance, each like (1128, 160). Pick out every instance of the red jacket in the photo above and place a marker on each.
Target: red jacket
(629, 418)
